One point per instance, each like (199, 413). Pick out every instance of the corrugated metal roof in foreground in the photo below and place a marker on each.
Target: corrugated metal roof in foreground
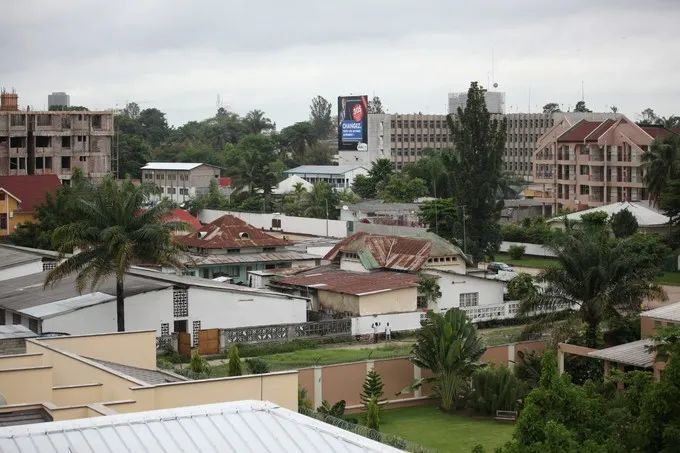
(243, 426)
(636, 353)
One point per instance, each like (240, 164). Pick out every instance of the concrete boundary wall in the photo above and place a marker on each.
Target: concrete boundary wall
(529, 249)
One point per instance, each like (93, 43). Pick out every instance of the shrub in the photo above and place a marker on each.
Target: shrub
(516, 252)
(496, 388)
(198, 364)
(373, 387)
(304, 405)
(623, 224)
(528, 367)
(235, 367)
(257, 365)
(521, 287)
(373, 415)
(336, 410)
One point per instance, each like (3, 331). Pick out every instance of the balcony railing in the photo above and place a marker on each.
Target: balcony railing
(488, 312)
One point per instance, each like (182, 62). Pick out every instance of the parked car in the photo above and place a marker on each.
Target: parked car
(495, 267)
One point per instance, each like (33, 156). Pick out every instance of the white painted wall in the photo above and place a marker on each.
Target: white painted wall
(398, 321)
(98, 318)
(289, 224)
(530, 249)
(321, 250)
(33, 267)
(452, 286)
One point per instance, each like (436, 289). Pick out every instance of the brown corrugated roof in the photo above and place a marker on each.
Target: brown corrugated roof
(354, 283)
(599, 130)
(659, 131)
(230, 232)
(389, 252)
(579, 131)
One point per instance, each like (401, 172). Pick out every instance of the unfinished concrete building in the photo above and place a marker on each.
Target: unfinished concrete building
(53, 142)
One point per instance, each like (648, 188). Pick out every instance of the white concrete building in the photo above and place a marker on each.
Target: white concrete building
(495, 101)
(465, 291)
(18, 261)
(180, 181)
(153, 300)
(338, 176)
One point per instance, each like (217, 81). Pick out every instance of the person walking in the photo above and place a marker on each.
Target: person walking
(388, 332)
(375, 331)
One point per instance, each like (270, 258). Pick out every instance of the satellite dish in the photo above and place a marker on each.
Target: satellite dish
(345, 207)
(495, 85)
(362, 147)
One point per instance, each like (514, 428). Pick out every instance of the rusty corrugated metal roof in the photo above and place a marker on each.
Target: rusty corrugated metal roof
(230, 232)
(388, 252)
(354, 283)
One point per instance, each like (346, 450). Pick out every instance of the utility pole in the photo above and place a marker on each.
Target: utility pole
(464, 232)
(326, 217)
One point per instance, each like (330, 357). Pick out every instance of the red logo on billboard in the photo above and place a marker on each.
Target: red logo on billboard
(357, 112)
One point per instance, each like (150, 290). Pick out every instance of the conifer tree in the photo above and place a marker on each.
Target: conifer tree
(373, 387)
(373, 415)
(235, 368)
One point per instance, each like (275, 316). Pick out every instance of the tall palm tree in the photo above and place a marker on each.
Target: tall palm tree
(448, 346)
(661, 163)
(112, 231)
(256, 122)
(598, 278)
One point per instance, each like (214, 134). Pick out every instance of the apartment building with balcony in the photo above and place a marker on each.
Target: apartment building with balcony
(592, 163)
(180, 181)
(53, 142)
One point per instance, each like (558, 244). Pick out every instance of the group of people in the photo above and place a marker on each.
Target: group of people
(376, 327)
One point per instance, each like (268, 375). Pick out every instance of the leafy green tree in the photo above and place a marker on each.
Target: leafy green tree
(363, 186)
(133, 153)
(649, 118)
(235, 366)
(441, 215)
(528, 367)
(581, 107)
(214, 199)
(320, 118)
(256, 122)
(597, 220)
(294, 202)
(297, 139)
(521, 287)
(113, 231)
(154, 126)
(372, 388)
(551, 107)
(436, 168)
(597, 279)
(623, 224)
(304, 405)
(373, 414)
(322, 202)
(661, 165)
(402, 188)
(428, 290)
(479, 142)
(381, 171)
(257, 365)
(375, 105)
(496, 388)
(516, 252)
(198, 364)
(448, 346)
(253, 164)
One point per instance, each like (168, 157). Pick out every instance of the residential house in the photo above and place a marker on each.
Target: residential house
(649, 219)
(184, 216)
(163, 302)
(18, 261)
(338, 176)
(593, 162)
(82, 376)
(229, 247)
(289, 184)
(242, 426)
(180, 181)
(19, 197)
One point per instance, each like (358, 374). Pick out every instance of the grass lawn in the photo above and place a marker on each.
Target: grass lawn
(669, 278)
(431, 428)
(526, 261)
(500, 335)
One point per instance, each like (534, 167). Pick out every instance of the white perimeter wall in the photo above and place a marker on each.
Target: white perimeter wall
(530, 249)
(33, 267)
(452, 286)
(98, 318)
(289, 224)
(398, 321)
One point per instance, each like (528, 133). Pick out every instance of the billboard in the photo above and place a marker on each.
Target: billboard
(353, 122)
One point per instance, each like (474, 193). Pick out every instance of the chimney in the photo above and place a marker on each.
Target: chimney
(9, 101)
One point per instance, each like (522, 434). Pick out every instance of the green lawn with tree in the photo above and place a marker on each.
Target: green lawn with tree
(432, 428)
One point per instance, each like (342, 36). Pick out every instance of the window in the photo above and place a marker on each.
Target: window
(172, 190)
(148, 176)
(180, 302)
(165, 329)
(22, 163)
(48, 265)
(82, 158)
(42, 141)
(48, 163)
(3, 221)
(2, 317)
(184, 191)
(196, 327)
(17, 142)
(276, 223)
(159, 176)
(180, 326)
(97, 121)
(233, 251)
(16, 318)
(18, 120)
(13, 163)
(66, 162)
(469, 299)
(33, 324)
(585, 190)
(65, 142)
(2, 196)
(268, 249)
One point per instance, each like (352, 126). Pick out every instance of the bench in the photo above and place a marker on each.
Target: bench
(506, 415)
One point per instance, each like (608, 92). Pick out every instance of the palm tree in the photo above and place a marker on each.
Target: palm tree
(112, 231)
(661, 163)
(598, 278)
(256, 122)
(448, 346)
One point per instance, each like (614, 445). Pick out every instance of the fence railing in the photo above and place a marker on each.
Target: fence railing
(283, 332)
(384, 438)
(491, 312)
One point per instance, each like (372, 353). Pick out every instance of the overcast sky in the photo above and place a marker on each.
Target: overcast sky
(276, 55)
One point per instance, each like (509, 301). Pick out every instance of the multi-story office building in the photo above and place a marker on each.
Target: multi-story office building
(495, 102)
(58, 98)
(180, 181)
(44, 142)
(590, 163)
